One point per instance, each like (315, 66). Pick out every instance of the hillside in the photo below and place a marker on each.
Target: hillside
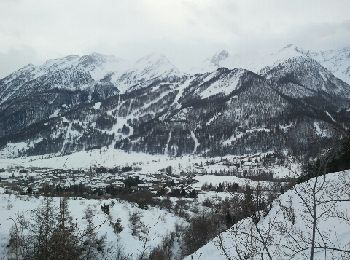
(94, 101)
(285, 232)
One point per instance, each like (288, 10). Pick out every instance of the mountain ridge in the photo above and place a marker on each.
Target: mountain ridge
(155, 108)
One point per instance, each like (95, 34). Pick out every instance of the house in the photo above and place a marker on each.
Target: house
(144, 186)
(118, 184)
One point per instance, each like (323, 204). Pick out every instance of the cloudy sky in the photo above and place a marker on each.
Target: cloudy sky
(187, 31)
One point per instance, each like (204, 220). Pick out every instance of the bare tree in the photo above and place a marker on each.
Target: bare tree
(49, 233)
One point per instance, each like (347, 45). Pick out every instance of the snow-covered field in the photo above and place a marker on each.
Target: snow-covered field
(157, 223)
(216, 180)
(109, 157)
(105, 157)
(287, 228)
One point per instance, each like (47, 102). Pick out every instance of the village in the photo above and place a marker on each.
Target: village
(100, 181)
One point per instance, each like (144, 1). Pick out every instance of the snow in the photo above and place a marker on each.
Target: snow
(285, 235)
(330, 116)
(281, 171)
(337, 61)
(257, 62)
(97, 105)
(320, 131)
(107, 65)
(196, 143)
(106, 157)
(233, 138)
(223, 86)
(181, 89)
(55, 113)
(14, 149)
(216, 180)
(211, 120)
(148, 164)
(154, 65)
(143, 70)
(237, 136)
(158, 223)
(166, 150)
(221, 58)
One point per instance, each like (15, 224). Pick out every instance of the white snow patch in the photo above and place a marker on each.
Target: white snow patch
(181, 89)
(55, 113)
(196, 143)
(330, 116)
(97, 105)
(223, 86)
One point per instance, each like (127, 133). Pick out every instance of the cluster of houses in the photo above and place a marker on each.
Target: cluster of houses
(39, 181)
(245, 167)
(127, 179)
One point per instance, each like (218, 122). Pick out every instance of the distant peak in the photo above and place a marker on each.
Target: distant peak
(100, 56)
(219, 57)
(290, 45)
(154, 56)
(97, 54)
(292, 48)
(27, 67)
(154, 60)
(223, 53)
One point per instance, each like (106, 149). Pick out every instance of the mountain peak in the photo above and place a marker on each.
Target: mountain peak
(153, 58)
(155, 62)
(291, 50)
(219, 57)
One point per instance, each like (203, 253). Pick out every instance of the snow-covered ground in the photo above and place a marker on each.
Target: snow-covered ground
(157, 223)
(109, 157)
(105, 157)
(287, 228)
(216, 180)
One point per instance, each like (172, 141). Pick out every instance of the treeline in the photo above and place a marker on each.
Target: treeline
(338, 159)
(203, 227)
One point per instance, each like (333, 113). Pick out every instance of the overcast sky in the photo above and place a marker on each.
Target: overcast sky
(187, 31)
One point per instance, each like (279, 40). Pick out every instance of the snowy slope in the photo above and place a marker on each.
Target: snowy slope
(80, 103)
(224, 59)
(287, 227)
(225, 85)
(76, 72)
(337, 61)
(218, 60)
(297, 74)
(145, 70)
(290, 51)
(72, 72)
(152, 218)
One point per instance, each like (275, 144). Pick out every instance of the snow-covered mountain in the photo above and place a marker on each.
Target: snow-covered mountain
(77, 103)
(221, 59)
(150, 68)
(73, 73)
(336, 61)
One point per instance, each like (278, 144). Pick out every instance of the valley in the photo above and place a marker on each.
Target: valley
(153, 162)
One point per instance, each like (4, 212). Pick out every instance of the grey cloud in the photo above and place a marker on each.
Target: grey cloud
(186, 30)
(12, 59)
